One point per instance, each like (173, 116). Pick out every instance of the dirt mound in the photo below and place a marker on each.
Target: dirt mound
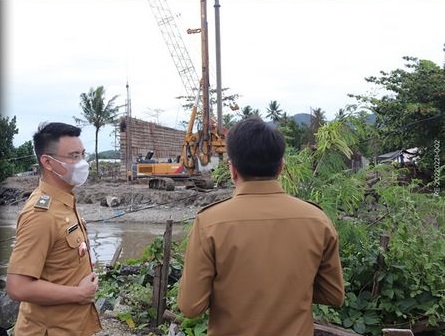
(15, 190)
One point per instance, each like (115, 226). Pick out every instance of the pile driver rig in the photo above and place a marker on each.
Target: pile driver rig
(208, 140)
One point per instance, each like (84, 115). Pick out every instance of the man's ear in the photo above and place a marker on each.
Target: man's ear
(233, 172)
(282, 165)
(45, 162)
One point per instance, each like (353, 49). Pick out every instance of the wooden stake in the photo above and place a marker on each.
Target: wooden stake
(163, 286)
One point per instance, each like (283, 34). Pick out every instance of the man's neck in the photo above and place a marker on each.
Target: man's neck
(56, 181)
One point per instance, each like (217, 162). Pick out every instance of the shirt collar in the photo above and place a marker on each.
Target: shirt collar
(259, 187)
(57, 193)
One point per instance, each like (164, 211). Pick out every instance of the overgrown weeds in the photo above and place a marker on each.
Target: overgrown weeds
(392, 245)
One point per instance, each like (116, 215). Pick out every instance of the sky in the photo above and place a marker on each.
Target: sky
(302, 53)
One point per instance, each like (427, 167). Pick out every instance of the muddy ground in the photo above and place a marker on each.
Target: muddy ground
(136, 202)
(128, 199)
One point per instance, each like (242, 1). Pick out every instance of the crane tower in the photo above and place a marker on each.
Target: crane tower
(176, 46)
(199, 146)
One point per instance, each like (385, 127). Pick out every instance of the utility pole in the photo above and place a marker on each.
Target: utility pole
(128, 145)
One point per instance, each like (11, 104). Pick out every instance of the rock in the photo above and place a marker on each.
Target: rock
(113, 201)
(130, 270)
(120, 307)
(9, 310)
(103, 305)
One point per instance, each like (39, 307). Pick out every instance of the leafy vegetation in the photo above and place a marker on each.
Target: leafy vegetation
(392, 237)
(13, 160)
(411, 111)
(386, 285)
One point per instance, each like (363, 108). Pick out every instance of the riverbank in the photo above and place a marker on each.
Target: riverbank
(119, 201)
(132, 203)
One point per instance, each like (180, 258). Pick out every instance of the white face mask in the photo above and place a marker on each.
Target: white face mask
(76, 174)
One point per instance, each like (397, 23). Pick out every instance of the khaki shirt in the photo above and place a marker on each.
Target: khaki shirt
(258, 261)
(49, 234)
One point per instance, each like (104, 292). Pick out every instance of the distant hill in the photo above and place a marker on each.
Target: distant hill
(305, 118)
(109, 154)
(302, 118)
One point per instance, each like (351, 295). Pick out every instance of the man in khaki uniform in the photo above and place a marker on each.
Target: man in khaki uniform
(261, 258)
(50, 268)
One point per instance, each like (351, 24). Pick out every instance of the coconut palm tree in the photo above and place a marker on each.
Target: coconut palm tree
(274, 111)
(97, 113)
(228, 120)
(247, 112)
(318, 119)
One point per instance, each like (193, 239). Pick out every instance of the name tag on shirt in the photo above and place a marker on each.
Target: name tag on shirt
(72, 228)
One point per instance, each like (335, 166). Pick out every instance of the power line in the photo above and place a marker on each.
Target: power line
(18, 158)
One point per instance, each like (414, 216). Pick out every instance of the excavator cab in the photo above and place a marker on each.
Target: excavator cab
(147, 159)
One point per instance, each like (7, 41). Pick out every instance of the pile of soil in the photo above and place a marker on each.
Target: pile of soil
(130, 199)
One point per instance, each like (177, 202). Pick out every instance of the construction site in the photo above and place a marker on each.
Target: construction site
(164, 155)
(138, 137)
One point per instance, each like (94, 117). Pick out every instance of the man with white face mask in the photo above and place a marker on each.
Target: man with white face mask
(50, 269)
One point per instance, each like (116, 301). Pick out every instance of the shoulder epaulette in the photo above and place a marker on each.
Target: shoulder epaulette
(213, 204)
(314, 204)
(43, 202)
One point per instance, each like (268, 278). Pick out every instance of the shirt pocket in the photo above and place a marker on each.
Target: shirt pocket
(73, 241)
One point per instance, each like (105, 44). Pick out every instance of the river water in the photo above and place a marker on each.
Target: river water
(105, 239)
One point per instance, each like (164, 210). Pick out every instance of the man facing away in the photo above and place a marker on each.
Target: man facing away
(261, 258)
(50, 269)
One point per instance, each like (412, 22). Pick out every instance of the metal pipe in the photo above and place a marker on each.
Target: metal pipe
(205, 71)
(205, 146)
(218, 68)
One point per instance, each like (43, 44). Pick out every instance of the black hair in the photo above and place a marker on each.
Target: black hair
(47, 136)
(255, 149)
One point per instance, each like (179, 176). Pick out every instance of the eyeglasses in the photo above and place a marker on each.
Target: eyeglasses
(72, 156)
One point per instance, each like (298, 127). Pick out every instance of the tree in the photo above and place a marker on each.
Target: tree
(247, 112)
(154, 113)
(359, 121)
(95, 112)
(296, 134)
(7, 129)
(318, 119)
(228, 120)
(334, 143)
(227, 100)
(274, 111)
(411, 112)
(25, 157)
